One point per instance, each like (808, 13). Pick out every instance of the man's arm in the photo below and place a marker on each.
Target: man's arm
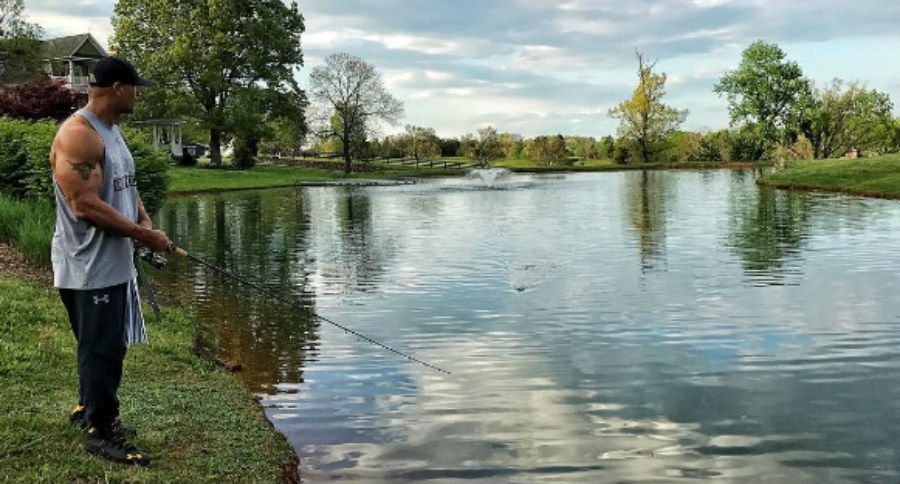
(77, 167)
(143, 218)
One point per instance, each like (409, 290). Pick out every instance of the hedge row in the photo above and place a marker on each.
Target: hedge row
(25, 165)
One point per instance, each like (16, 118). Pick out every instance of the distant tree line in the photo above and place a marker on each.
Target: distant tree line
(244, 94)
(776, 114)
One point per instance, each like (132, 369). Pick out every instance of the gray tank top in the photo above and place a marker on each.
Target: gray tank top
(84, 257)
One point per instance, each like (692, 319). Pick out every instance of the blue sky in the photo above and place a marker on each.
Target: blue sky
(543, 66)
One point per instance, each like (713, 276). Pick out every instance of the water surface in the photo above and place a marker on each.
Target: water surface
(616, 327)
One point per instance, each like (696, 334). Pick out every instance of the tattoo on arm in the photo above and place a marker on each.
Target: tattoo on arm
(83, 168)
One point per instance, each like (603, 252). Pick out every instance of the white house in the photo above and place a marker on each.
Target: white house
(72, 58)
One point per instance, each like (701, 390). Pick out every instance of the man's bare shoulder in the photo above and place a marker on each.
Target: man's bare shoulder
(77, 140)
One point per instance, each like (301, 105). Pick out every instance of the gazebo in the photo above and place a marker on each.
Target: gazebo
(166, 134)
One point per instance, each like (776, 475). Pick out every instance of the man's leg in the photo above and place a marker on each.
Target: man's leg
(70, 302)
(101, 351)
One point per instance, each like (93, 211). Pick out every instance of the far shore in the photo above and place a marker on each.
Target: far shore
(876, 177)
(194, 180)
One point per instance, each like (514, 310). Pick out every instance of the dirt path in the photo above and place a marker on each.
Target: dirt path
(13, 263)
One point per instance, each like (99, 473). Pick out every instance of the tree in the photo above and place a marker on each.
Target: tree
(582, 147)
(355, 141)
(204, 53)
(449, 147)
(282, 139)
(511, 144)
(548, 150)
(21, 52)
(715, 146)
(391, 147)
(350, 88)
(644, 119)
(683, 146)
(421, 142)
(895, 143)
(605, 147)
(766, 96)
(259, 115)
(467, 146)
(41, 98)
(840, 119)
(487, 146)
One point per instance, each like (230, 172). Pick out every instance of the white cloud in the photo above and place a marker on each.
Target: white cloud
(425, 44)
(57, 25)
(540, 64)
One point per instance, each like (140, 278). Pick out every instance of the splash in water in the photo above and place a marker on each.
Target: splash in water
(489, 176)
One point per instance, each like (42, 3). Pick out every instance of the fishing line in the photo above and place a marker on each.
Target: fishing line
(186, 254)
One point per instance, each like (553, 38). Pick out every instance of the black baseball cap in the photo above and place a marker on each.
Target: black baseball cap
(110, 70)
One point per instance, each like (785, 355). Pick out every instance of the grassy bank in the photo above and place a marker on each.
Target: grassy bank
(873, 177)
(182, 179)
(196, 421)
(29, 226)
(194, 180)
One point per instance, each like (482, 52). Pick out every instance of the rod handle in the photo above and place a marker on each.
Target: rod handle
(181, 252)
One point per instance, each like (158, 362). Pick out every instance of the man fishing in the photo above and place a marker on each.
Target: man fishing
(99, 217)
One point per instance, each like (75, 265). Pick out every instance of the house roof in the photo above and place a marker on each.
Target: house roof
(81, 45)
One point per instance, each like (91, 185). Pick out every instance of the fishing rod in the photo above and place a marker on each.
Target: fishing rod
(258, 287)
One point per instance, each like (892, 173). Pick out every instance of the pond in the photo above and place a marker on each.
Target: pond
(641, 326)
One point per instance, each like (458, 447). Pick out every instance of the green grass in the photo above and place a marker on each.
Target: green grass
(28, 225)
(191, 180)
(198, 423)
(201, 179)
(877, 176)
(195, 421)
(184, 179)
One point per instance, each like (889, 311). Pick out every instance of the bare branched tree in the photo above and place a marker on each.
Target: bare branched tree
(349, 100)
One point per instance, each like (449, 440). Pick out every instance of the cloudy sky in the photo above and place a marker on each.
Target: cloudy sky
(548, 66)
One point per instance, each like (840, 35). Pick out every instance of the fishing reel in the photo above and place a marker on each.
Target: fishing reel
(155, 259)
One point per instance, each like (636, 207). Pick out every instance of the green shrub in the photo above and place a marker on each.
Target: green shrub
(621, 152)
(22, 142)
(245, 149)
(25, 162)
(152, 169)
(37, 143)
(187, 159)
(12, 157)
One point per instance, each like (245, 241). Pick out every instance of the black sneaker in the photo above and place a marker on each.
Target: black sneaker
(78, 418)
(112, 444)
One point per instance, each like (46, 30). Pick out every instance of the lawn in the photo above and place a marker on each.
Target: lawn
(183, 179)
(877, 176)
(196, 422)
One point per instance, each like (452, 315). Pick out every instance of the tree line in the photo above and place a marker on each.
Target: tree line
(776, 113)
(229, 68)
